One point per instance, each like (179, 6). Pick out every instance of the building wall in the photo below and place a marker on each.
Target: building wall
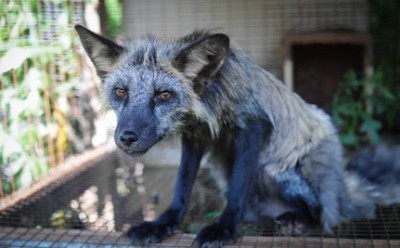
(258, 26)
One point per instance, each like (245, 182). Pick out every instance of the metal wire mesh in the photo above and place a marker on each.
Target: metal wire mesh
(94, 207)
(45, 109)
(258, 26)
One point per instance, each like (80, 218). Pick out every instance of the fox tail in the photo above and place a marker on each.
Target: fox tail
(372, 178)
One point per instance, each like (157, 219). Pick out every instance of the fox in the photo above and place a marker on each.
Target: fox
(279, 157)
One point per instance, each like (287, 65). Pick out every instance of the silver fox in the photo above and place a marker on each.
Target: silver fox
(279, 156)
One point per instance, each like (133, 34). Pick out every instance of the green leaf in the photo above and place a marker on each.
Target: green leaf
(370, 125)
(349, 138)
(195, 227)
(211, 216)
(374, 138)
(248, 230)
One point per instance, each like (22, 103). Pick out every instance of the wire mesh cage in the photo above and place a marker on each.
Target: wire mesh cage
(43, 99)
(50, 110)
(94, 205)
(259, 27)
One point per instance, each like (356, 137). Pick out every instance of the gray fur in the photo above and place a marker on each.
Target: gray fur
(373, 177)
(232, 91)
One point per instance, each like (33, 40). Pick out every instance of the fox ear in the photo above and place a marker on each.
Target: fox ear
(103, 52)
(202, 60)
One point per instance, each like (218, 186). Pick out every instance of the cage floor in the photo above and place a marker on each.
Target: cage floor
(94, 207)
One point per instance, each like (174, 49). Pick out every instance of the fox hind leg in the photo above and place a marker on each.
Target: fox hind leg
(301, 199)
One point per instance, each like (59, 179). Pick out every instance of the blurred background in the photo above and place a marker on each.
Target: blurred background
(342, 55)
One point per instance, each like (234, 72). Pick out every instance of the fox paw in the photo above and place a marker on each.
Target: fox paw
(215, 235)
(150, 232)
(290, 224)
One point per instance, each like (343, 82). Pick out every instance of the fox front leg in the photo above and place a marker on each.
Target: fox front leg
(248, 144)
(156, 231)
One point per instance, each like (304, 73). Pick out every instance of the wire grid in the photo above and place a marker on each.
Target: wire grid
(41, 109)
(58, 218)
(94, 207)
(258, 26)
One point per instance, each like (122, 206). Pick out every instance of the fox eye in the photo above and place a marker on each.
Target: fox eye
(120, 92)
(164, 96)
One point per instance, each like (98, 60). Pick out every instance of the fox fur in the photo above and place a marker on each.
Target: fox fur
(279, 156)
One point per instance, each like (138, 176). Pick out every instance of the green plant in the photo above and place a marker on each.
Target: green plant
(32, 95)
(210, 217)
(384, 23)
(360, 106)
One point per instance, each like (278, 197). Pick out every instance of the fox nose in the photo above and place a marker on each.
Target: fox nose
(128, 137)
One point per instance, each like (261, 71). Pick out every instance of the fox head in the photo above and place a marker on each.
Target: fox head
(155, 87)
